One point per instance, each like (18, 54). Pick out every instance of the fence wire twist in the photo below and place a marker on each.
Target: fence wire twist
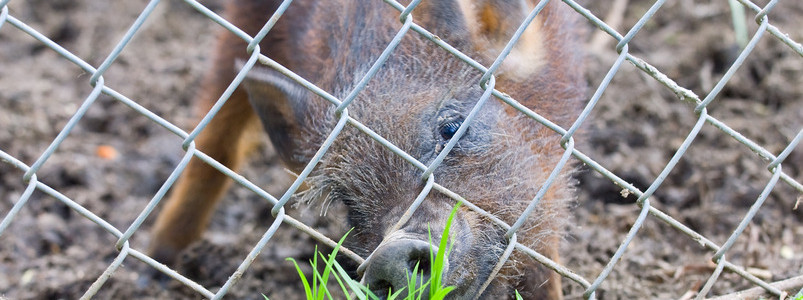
(487, 82)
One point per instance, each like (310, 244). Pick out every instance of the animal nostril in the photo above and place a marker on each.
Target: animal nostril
(391, 266)
(381, 289)
(419, 262)
(416, 265)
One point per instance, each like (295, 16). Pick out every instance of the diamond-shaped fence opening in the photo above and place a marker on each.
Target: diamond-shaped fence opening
(689, 146)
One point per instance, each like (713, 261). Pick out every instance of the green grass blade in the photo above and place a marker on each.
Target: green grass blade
(411, 282)
(359, 290)
(420, 291)
(396, 294)
(322, 278)
(323, 290)
(328, 269)
(315, 284)
(338, 276)
(307, 289)
(440, 257)
(441, 293)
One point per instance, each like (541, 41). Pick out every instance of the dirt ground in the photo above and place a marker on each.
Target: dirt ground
(51, 252)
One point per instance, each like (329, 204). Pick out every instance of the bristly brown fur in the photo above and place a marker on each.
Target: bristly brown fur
(499, 164)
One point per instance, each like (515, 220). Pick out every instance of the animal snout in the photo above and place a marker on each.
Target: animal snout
(390, 268)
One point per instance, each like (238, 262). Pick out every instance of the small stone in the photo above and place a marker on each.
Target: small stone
(787, 252)
(27, 277)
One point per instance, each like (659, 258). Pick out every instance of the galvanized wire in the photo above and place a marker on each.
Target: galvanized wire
(487, 82)
(407, 20)
(735, 66)
(238, 274)
(511, 245)
(95, 287)
(3, 14)
(156, 198)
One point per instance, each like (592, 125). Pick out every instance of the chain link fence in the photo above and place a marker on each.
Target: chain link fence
(590, 284)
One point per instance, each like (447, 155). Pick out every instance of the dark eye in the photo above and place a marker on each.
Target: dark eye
(448, 130)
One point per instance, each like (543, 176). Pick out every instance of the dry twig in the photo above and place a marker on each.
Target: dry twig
(787, 285)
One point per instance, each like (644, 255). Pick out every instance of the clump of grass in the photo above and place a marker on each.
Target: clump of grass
(316, 288)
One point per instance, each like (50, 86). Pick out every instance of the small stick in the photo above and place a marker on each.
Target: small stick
(754, 293)
(614, 20)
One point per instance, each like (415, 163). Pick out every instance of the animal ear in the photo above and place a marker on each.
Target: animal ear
(281, 104)
(492, 23)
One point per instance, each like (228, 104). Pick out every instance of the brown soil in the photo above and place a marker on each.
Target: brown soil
(116, 159)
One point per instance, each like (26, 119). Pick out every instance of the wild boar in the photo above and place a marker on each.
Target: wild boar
(417, 100)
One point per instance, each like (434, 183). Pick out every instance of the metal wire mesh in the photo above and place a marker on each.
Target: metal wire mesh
(719, 252)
